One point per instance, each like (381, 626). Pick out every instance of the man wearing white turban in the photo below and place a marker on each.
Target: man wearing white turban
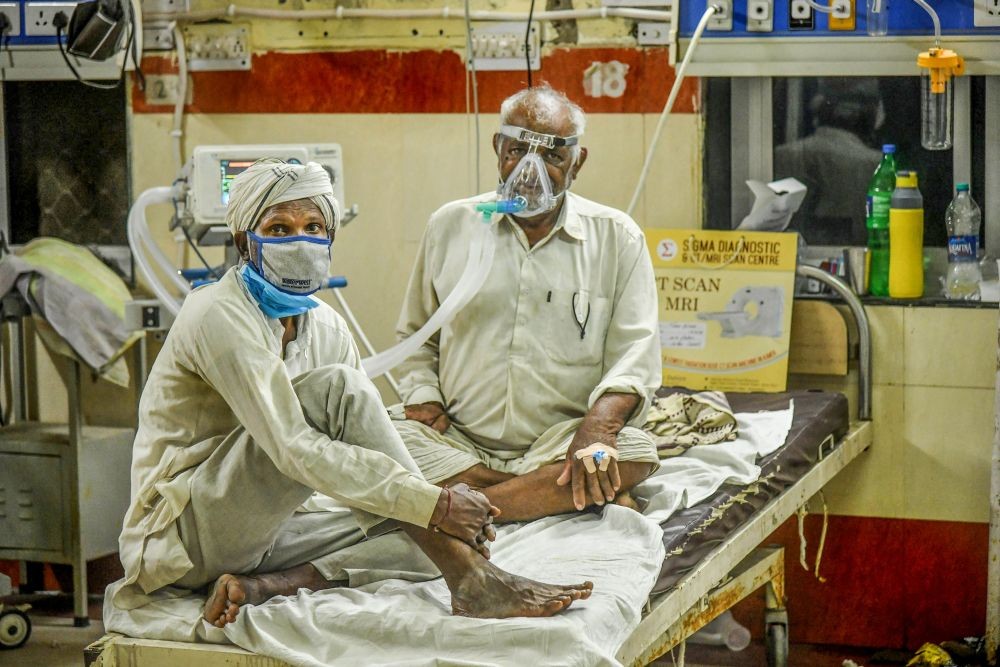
(257, 401)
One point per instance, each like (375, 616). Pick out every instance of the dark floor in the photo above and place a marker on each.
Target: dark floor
(799, 655)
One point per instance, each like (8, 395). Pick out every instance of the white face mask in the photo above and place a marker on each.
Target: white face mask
(530, 178)
(294, 264)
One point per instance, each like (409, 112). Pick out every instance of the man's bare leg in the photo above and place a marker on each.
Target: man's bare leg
(482, 590)
(478, 588)
(478, 477)
(231, 592)
(535, 495)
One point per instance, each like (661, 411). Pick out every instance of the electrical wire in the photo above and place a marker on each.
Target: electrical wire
(5, 37)
(137, 45)
(471, 59)
(819, 8)
(233, 11)
(679, 78)
(211, 269)
(177, 131)
(527, 41)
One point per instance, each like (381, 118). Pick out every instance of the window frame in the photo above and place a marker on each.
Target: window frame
(752, 149)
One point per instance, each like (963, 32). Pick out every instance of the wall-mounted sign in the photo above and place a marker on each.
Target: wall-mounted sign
(725, 301)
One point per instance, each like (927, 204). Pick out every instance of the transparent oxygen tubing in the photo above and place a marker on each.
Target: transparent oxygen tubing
(669, 107)
(477, 267)
(148, 256)
(934, 19)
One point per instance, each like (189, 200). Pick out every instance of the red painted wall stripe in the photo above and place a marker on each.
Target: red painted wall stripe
(414, 82)
(890, 583)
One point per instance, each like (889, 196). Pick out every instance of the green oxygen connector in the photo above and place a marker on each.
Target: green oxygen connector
(501, 206)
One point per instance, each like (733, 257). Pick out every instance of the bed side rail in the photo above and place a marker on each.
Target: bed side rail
(864, 333)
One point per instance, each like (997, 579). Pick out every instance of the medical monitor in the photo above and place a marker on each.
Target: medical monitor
(214, 168)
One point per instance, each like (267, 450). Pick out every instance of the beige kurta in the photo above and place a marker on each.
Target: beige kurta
(554, 327)
(222, 367)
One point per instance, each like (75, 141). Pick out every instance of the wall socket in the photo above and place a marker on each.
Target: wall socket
(38, 17)
(500, 46)
(760, 15)
(843, 16)
(723, 19)
(653, 33)
(213, 47)
(986, 13)
(13, 13)
(800, 15)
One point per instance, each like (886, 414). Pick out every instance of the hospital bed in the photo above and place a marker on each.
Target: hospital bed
(714, 558)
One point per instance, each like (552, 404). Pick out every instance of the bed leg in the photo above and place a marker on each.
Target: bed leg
(776, 622)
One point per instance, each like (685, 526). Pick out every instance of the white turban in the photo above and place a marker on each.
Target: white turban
(271, 181)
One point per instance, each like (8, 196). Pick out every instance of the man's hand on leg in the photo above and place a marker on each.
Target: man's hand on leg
(601, 485)
(429, 414)
(466, 515)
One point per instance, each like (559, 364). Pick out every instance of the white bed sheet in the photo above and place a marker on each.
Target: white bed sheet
(401, 623)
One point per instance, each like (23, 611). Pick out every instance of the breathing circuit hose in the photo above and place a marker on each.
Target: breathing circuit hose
(477, 268)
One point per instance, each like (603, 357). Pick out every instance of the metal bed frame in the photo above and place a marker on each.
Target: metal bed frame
(737, 567)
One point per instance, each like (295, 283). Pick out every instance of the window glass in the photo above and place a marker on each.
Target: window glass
(67, 155)
(828, 133)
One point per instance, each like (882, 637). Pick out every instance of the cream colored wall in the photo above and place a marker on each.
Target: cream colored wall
(305, 35)
(932, 410)
(400, 167)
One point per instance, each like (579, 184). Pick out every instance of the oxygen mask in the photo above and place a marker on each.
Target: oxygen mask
(530, 180)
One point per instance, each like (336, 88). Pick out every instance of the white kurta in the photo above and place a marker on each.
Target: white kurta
(222, 367)
(554, 327)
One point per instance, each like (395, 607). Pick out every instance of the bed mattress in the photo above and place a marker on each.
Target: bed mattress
(690, 534)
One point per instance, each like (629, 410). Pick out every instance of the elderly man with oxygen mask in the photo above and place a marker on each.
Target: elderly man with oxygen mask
(256, 402)
(535, 391)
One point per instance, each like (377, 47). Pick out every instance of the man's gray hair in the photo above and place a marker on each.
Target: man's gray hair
(547, 104)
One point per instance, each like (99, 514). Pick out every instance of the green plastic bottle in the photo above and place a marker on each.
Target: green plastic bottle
(880, 190)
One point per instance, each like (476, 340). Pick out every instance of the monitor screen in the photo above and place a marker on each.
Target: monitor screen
(228, 169)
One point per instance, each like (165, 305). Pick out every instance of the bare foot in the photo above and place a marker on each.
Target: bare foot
(229, 593)
(487, 591)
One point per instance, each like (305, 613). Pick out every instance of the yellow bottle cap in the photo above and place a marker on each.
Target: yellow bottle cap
(906, 179)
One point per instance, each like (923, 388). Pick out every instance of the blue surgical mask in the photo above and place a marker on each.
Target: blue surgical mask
(273, 302)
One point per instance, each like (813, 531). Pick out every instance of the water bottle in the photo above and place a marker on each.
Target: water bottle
(963, 219)
(906, 238)
(880, 190)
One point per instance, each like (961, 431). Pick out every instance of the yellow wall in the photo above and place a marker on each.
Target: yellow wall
(932, 410)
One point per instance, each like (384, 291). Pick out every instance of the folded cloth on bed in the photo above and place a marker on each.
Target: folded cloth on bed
(680, 421)
(400, 623)
(684, 481)
(78, 303)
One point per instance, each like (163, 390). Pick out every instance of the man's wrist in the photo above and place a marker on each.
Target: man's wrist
(441, 508)
(597, 423)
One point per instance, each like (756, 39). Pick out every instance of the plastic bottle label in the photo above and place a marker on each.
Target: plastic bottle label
(962, 248)
(877, 207)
